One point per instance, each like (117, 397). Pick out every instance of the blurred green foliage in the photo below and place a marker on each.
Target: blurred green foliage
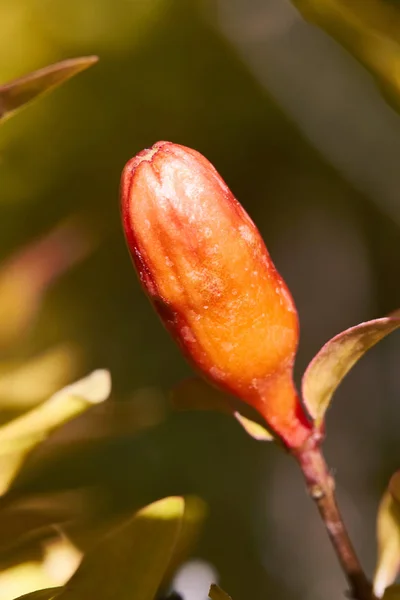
(370, 30)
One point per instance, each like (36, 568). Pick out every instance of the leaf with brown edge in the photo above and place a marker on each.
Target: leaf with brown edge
(368, 30)
(19, 92)
(195, 393)
(335, 359)
(216, 593)
(388, 536)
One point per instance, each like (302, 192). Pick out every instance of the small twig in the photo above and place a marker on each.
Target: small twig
(321, 487)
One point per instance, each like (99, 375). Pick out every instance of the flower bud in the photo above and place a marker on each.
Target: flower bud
(204, 265)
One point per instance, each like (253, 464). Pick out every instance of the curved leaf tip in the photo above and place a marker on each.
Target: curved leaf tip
(335, 359)
(19, 92)
(196, 394)
(216, 593)
(20, 436)
(131, 561)
(95, 387)
(167, 508)
(254, 429)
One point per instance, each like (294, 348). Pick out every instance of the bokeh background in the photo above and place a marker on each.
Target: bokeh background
(300, 133)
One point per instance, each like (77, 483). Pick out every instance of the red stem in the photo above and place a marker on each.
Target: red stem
(321, 487)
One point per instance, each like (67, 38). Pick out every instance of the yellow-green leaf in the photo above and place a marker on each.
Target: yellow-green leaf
(48, 594)
(216, 593)
(20, 436)
(336, 358)
(131, 561)
(196, 394)
(369, 30)
(19, 92)
(257, 431)
(388, 536)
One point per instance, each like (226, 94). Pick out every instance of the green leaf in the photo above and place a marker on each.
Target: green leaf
(47, 594)
(196, 394)
(388, 536)
(20, 436)
(369, 30)
(19, 92)
(216, 593)
(131, 561)
(336, 358)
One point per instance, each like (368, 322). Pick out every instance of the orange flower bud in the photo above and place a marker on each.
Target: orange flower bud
(204, 265)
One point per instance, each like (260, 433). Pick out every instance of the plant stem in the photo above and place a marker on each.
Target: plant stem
(321, 487)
